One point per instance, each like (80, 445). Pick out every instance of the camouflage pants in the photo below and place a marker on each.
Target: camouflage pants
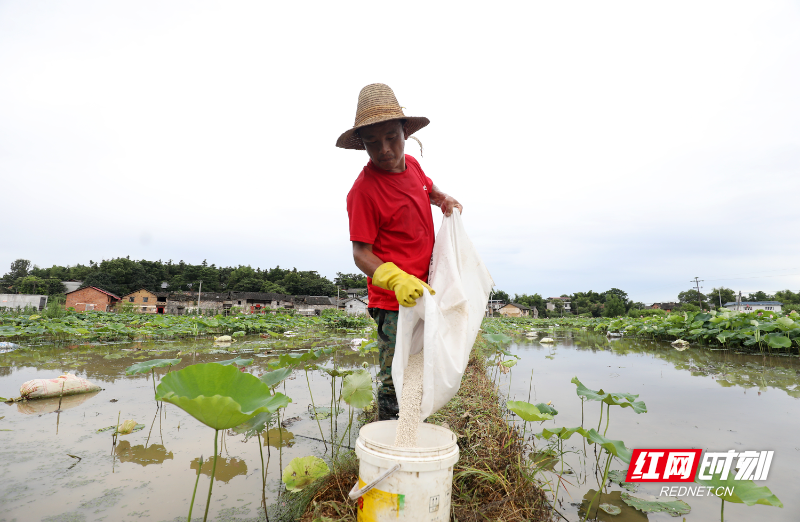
(387, 336)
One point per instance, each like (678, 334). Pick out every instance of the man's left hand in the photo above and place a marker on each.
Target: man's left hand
(445, 202)
(449, 204)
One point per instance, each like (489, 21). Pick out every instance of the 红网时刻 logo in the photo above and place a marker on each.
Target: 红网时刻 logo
(680, 465)
(683, 465)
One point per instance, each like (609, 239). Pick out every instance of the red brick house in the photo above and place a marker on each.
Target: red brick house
(91, 298)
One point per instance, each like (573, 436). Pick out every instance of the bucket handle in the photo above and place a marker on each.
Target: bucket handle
(355, 493)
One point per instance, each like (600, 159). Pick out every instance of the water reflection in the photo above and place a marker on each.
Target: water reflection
(227, 468)
(726, 367)
(277, 437)
(154, 454)
(42, 406)
(628, 513)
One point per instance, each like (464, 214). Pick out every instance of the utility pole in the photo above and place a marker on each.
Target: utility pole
(719, 293)
(198, 296)
(697, 282)
(739, 302)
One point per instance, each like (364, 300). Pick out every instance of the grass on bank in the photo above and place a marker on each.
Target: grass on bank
(491, 481)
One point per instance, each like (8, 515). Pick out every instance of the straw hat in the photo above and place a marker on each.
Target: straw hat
(377, 103)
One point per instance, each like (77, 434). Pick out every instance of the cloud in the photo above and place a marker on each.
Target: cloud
(592, 145)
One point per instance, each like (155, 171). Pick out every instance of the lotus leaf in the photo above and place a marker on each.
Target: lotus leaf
(497, 338)
(777, 340)
(744, 491)
(127, 427)
(146, 366)
(272, 379)
(335, 372)
(528, 411)
(615, 447)
(291, 359)
(625, 400)
(786, 323)
(240, 333)
(510, 363)
(611, 509)
(619, 477)
(562, 433)
(239, 361)
(673, 507)
(303, 471)
(357, 389)
(123, 428)
(256, 425)
(219, 396)
(546, 408)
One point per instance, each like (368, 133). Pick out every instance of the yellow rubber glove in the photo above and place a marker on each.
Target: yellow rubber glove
(405, 286)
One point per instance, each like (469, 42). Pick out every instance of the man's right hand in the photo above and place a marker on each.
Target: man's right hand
(405, 286)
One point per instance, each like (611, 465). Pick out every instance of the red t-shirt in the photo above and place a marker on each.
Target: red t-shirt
(392, 212)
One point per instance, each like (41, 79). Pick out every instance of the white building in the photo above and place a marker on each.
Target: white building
(551, 303)
(744, 306)
(355, 307)
(22, 301)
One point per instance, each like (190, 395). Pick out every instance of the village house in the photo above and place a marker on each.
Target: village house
(667, 307)
(143, 301)
(514, 310)
(256, 302)
(751, 306)
(355, 306)
(313, 304)
(551, 303)
(356, 292)
(91, 298)
(22, 301)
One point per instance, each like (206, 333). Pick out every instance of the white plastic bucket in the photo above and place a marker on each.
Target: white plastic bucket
(404, 483)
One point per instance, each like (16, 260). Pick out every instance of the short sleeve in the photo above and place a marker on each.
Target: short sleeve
(428, 182)
(364, 220)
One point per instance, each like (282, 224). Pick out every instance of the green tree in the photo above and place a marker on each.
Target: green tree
(614, 306)
(588, 303)
(104, 281)
(758, 296)
(787, 297)
(346, 281)
(499, 295)
(691, 296)
(19, 268)
(269, 286)
(244, 279)
(726, 295)
(621, 295)
(533, 301)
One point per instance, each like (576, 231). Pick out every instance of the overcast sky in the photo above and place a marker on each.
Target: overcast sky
(593, 145)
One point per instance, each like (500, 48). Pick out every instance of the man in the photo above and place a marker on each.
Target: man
(391, 225)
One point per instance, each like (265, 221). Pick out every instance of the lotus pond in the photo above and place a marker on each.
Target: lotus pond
(58, 456)
(695, 397)
(59, 464)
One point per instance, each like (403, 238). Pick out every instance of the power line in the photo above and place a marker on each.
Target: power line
(763, 271)
(754, 277)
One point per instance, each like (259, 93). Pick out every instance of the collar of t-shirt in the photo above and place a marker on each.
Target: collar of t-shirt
(371, 166)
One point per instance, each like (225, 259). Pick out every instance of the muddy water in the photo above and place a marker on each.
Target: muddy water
(697, 398)
(57, 467)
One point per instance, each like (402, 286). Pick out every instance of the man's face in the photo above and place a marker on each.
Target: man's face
(386, 143)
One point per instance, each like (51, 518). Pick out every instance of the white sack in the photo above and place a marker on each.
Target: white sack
(447, 323)
(67, 384)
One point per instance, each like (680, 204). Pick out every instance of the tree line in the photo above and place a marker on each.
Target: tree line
(615, 302)
(123, 275)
